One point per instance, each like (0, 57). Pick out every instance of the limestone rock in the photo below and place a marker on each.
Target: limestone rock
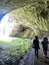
(25, 17)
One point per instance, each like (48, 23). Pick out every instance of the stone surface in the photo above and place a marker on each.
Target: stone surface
(28, 58)
(28, 14)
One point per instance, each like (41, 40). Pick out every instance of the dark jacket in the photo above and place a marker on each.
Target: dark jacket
(45, 44)
(36, 44)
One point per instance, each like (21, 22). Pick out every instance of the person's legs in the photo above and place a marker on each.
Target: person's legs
(37, 53)
(43, 52)
(46, 53)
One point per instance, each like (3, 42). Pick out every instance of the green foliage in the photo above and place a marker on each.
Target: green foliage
(17, 46)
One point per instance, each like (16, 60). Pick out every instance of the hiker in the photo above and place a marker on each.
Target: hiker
(36, 45)
(45, 46)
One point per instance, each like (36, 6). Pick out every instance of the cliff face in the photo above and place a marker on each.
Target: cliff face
(29, 17)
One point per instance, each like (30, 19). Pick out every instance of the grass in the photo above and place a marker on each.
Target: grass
(17, 46)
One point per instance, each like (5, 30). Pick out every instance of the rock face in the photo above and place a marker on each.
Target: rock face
(27, 17)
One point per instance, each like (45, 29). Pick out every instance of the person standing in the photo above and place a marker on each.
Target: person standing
(45, 46)
(36, 45)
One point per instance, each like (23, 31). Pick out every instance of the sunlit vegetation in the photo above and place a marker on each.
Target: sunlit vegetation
(15, 47)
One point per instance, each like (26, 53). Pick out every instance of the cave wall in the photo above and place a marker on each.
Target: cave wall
(33, 15)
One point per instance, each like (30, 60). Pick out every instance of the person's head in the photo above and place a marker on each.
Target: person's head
(36, 37)
(45, 38)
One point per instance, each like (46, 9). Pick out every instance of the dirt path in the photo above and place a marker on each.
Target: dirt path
(41, 60)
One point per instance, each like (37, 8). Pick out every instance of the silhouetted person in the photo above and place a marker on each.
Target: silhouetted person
(36, 45)
(45, 45)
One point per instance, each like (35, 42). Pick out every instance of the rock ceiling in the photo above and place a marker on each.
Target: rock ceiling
(30, 17)
(8, 5)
